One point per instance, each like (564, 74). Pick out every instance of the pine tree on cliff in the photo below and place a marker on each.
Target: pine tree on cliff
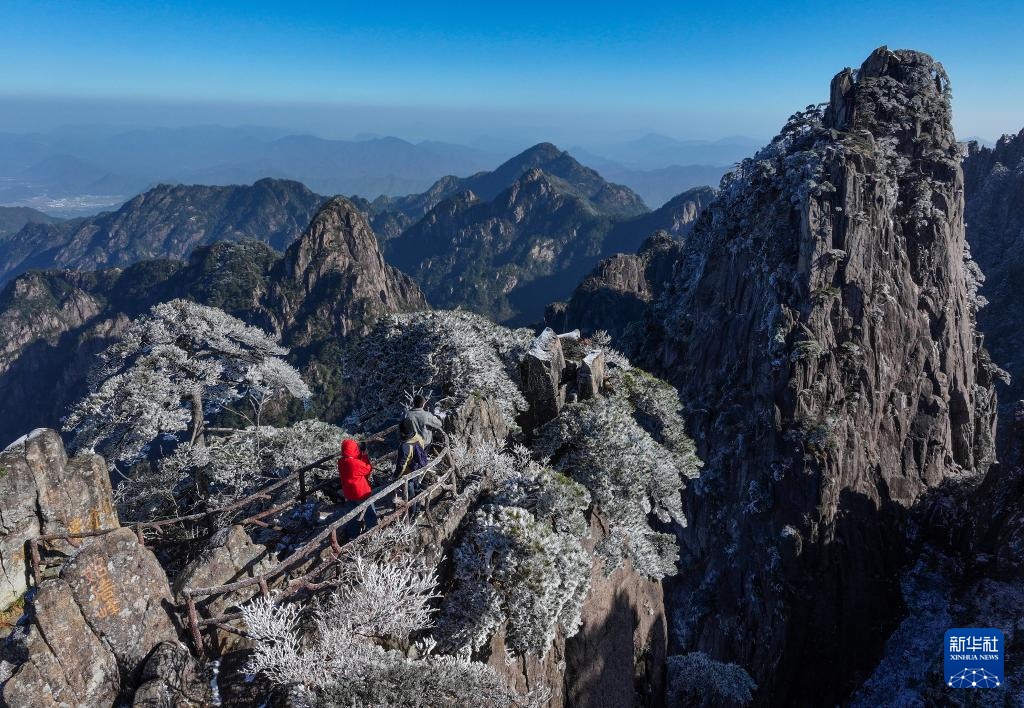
(171, 368)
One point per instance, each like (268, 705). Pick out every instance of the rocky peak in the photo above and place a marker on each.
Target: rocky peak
(333, 279)
(616, 294)
(821, 329)
(393, 215)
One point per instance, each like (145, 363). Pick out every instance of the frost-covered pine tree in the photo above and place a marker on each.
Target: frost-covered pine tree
(359, 647)
(630, 451)
(454, 354)
(695, 679)
(169, 370)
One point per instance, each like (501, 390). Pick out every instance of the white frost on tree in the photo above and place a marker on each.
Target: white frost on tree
(357, 648)
(521, 563)
(453, 353)
(629, 451)
(225, 469)
(695, 679)
(171, 368)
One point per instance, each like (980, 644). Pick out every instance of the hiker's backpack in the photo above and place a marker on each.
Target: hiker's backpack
(419, 457)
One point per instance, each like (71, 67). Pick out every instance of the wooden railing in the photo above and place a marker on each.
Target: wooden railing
(313, 580)
(156, 528)
(325, 541)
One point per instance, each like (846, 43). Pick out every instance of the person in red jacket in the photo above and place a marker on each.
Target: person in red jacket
(354, 470)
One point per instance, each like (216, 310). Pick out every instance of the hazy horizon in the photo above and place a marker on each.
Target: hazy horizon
(570, 74)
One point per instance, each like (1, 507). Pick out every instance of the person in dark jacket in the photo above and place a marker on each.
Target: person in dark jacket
(423, 421)
(412, 455)
(354, 470)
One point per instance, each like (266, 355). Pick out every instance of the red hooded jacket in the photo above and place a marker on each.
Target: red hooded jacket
(353, 469)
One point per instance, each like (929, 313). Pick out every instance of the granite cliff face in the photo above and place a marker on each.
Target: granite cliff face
(994, 212)
(821, 328)
(617, 293)
(168, 221)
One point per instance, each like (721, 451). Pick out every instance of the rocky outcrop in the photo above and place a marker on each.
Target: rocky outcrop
(821, 330)
(590, 375)
(333, 281)
(168, 221)
(230, 555)
(618, 291)
(479, 420)
(44, 492)
(67, 664)
(994, 212)
(615, 660)
(124, 596)
(172, 677)
(541, 373)
(93, 628)
(556, 369)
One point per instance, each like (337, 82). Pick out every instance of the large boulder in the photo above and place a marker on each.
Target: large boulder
(479, 420)
(541, 370)
(172, 678)
(590, 375)
(94, 627)
(229, 556)
(124, 595)
(44, 492)
(67, 665)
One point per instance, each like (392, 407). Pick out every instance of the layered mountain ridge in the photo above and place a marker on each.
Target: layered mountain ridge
(508, 256)
(168, 221)
(392, 215)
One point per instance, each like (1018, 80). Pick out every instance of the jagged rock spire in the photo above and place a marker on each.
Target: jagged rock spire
(821, 328)
(333, 280)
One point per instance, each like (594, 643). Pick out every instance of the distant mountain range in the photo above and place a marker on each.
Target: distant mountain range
(169, 221)
(506, 243)
(13, 219)
(503, 243)
(43, 170)
(80, 171)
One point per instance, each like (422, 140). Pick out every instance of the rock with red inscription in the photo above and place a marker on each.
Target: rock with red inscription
(124, 595)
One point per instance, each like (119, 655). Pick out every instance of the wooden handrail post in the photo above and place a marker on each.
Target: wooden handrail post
(37, 573)
(193, 623)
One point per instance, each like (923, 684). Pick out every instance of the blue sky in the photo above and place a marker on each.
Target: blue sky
(692, 70)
